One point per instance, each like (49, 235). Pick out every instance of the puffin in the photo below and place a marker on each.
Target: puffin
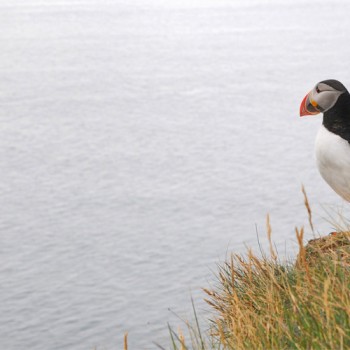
(332, 145)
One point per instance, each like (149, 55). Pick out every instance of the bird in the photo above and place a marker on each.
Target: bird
(332, 145)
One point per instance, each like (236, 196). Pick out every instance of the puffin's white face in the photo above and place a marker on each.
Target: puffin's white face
(321, 98)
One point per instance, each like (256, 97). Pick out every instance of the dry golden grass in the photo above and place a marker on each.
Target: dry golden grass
(259, 302)
(125, 341)
(262, 304)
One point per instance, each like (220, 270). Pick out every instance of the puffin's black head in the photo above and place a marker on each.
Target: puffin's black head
(322, 97)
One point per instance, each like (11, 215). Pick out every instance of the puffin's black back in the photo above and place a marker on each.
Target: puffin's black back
(337, 119)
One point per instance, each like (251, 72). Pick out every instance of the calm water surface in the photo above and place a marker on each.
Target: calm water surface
(139, 142)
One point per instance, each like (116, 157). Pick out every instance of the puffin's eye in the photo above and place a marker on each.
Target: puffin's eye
(318, 90)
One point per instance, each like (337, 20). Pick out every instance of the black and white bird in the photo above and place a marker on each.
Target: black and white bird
(332, 146)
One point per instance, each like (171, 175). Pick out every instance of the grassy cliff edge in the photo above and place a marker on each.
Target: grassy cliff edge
(261, 303)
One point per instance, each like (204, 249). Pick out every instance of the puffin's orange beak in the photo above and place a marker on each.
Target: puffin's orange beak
(308, 106)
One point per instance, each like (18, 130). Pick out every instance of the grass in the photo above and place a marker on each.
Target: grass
(260, 302)
(263, 304)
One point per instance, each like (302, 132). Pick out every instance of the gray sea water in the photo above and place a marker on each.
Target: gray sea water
(140, 141)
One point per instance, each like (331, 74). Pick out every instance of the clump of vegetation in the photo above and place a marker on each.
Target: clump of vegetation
(260, 302)
(263, 304)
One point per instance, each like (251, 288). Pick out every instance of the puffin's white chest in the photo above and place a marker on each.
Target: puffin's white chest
(333, 160)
